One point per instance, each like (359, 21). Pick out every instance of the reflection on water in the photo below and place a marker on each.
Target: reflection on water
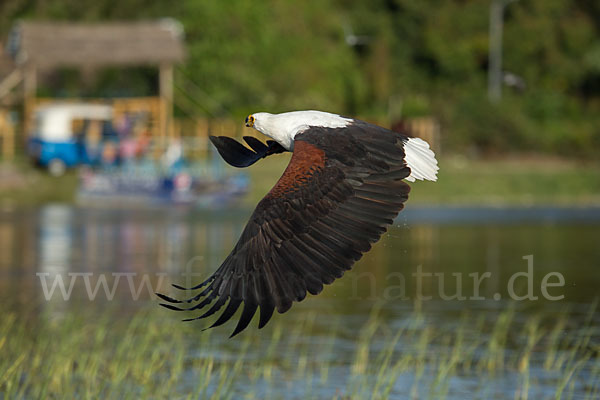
(428, 261)
(445, 268)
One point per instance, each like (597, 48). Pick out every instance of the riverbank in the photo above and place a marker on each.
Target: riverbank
(22, 184)
(522, 181)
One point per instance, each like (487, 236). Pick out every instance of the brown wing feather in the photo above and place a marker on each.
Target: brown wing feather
(340, 191)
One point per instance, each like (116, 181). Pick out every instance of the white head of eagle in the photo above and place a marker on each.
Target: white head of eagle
(284, 127)
(344, 185)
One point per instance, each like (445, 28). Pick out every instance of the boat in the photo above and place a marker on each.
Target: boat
(146, 183)
(122, 164)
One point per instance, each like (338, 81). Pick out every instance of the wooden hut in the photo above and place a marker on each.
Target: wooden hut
(36, 47)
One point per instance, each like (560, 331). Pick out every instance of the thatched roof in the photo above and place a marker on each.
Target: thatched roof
(59, 44)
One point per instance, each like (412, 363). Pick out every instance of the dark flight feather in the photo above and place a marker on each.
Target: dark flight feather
(339, 193)
(238, 155)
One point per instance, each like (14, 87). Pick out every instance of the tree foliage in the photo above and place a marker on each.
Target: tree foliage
(356, 56)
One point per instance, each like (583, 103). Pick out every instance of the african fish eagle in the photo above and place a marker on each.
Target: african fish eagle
(341, 190)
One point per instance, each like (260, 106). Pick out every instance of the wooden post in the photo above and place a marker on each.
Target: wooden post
(9, 138)
(166, 100)
(3, 134)
(202, 128)
(30, 92)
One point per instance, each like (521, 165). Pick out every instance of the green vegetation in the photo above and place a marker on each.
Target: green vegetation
(416, 59)
(412, 58)
(79, 355)
(520, 181)
(22, 184)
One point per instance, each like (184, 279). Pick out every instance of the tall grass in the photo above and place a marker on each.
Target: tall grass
(146, 356)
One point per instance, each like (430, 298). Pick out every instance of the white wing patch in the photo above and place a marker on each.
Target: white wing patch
(421, 160)
(299, 121)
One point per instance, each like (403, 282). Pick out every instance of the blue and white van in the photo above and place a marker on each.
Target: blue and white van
(70, 134)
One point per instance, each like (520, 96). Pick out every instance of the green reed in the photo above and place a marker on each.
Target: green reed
(152, 356)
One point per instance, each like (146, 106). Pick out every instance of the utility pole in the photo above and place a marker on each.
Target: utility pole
(495, 52)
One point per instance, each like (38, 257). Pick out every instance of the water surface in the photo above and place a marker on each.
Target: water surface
(421, 277)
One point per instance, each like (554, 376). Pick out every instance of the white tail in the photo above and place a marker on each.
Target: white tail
(421, 160)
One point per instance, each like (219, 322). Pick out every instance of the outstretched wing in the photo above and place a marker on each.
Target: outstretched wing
(238, 155)
(340, 191)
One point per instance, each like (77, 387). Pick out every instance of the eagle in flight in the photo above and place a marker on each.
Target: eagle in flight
(343, 187)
